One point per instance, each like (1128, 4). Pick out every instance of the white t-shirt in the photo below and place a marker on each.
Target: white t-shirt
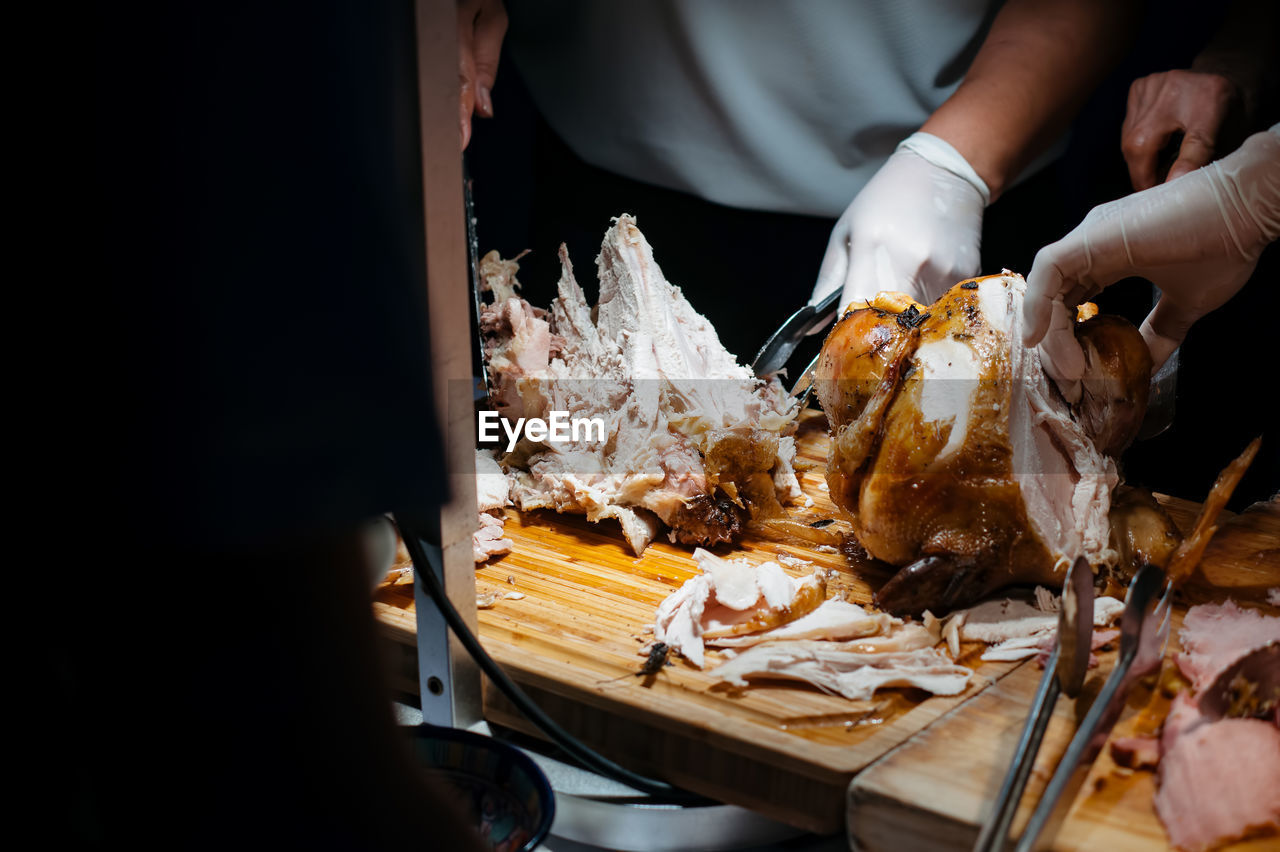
(787, 106)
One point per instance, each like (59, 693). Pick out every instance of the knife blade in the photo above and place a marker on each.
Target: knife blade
(473, 262)
(773, 356)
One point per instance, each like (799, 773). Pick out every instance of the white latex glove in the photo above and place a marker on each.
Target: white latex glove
(914, 228)
(1197, 238)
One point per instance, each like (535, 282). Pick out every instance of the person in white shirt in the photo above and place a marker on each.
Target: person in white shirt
(901, 119)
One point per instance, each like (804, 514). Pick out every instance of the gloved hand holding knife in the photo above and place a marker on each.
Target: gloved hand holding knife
(915, 227)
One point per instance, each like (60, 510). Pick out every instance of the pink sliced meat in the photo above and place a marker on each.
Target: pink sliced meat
(1219, 779)
(1184, 716)
(1220, 782)
(1216, 635)
(1136, 752)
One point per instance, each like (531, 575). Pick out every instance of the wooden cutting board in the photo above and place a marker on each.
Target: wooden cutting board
(573, 642)
(788, 751)
(933, 792)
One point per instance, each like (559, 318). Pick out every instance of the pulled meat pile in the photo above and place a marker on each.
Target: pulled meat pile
(954, 456)
(692, 441)
(1219, 761)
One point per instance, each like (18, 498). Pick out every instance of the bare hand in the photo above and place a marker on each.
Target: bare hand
(1160, 105)
(481, 26)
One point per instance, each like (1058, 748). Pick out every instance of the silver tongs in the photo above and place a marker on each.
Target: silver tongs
(1064, 672)
(1144, 630)
(773, 356)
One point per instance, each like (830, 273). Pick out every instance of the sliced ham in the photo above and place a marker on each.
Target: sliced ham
(1220, 782)
(838, 668)
(1183, 717)
(1219, 779)
(1216, 635)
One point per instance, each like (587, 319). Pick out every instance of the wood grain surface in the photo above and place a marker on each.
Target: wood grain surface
(788, 751)
(574, 640)
(932, 793)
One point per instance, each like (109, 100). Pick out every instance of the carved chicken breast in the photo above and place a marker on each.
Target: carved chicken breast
(692, 441)
(953, 454)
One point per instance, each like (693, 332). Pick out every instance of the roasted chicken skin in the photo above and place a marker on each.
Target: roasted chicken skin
(953, 455)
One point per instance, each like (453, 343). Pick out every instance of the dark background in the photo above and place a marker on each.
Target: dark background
(747, 271)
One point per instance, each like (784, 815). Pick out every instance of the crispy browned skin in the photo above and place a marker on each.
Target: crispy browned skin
(957, 523)
(707, 521)
(862, 359)
(1186, 558)
(1114, 398)
(1141, 532)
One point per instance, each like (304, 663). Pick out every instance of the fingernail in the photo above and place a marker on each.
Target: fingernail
(464, 128)
(484, 101)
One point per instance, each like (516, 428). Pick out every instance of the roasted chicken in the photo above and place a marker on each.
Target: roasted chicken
(956, 458)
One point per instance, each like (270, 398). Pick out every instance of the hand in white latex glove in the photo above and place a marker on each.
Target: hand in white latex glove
(914, 228)
(1197, 238)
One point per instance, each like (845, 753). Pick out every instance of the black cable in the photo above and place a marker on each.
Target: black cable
(571, 745)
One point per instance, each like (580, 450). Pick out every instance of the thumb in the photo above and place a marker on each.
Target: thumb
(835, 263)
(1165, 328)
(870, 271)
(1046, 284)
(1060, 352)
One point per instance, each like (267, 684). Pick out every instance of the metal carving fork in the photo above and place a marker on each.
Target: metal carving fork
(773, 356)
(1065, 673)
(1144, 634)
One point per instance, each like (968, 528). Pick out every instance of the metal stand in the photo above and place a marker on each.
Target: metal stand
(448, 679)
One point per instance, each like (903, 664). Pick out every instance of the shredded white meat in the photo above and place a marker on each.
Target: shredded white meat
(835, 667)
